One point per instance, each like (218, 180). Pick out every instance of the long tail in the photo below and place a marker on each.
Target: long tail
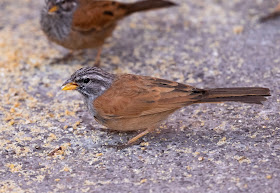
(274, 14)
(147, 5)
(255, 95)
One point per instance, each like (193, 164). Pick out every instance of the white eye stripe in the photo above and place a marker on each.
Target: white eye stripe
(97, 77)
(59, 1)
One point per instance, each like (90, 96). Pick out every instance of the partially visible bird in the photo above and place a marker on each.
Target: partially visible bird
(82, 24)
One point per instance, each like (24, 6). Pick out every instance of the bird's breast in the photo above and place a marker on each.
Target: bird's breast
(57, 28)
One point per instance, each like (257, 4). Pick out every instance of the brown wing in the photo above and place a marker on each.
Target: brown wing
(132, 95)
(96, 15)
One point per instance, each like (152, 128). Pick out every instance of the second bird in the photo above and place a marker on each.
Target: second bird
(82, 24)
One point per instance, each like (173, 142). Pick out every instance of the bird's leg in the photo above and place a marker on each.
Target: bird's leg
(97, 58)
(275, 13)
(134, 139)
(68, 57)
(98, 55)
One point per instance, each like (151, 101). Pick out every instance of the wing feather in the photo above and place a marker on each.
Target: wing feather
(97, 15)
(132, 96)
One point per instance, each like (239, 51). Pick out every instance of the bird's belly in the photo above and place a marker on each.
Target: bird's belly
(77, 40)
(134, 123)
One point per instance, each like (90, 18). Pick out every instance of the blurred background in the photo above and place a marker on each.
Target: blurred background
(227, 147)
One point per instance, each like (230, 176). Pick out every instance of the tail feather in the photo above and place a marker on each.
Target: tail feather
(147, 5)
(255, 95)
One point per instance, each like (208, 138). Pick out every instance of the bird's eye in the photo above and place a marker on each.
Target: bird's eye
(86, 80)
(67, 5)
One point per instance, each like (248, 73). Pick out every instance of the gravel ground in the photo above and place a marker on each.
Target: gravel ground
(227, 147)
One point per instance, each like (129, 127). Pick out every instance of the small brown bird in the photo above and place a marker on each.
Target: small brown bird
(131, 102)
(274, 14)
(82, 24)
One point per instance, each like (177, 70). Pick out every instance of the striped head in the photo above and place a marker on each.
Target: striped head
(56, 18)
(91, 82)
(60, 6)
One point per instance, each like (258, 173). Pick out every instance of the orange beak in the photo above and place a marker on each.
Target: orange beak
(53, 9)
(69, 86)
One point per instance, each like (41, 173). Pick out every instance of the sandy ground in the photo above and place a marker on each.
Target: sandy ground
(227, 147)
